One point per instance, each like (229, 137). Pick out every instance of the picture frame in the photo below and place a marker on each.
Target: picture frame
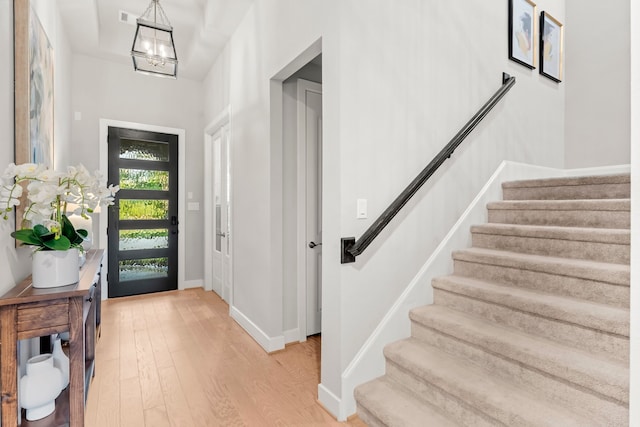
(523, 32)
(34, 90)
(551, 47)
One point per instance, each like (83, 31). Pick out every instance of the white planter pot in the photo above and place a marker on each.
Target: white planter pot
(55, 268)
(40, 387)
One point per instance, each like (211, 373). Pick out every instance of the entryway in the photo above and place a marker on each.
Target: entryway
(143, 223)
(301, 125)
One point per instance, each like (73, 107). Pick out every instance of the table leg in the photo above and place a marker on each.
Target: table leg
(76, 363)
(9, 367)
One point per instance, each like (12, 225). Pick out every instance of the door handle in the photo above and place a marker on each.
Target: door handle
(314, 244)
(174, 220)
(221, 234)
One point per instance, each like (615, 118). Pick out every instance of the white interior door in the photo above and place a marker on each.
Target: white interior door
(220, 194)
(310, 120)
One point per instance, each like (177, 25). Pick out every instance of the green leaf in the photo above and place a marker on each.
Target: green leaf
(61, 244)
(67, 229)
(41, 231)
(27, 236)
(82, 232)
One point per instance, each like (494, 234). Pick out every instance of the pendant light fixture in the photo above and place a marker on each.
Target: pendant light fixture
(153, 51)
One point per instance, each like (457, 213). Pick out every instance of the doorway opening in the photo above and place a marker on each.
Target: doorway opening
(217, 221)
(102, 240)
(302, 200)
(143, 222)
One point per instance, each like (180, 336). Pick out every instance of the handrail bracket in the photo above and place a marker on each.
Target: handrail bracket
(347, 243)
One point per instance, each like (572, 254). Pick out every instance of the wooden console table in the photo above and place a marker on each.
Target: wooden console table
(26, 312)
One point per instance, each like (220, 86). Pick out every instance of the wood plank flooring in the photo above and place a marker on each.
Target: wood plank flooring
(178, 359)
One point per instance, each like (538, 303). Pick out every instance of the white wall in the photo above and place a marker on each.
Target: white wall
(597, 83)
(15, 264)
(107, 90)
(394, 94)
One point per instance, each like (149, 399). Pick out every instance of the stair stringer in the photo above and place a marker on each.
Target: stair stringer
(369, 361)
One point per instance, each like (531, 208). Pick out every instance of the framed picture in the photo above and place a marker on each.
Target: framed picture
(551, 47)
(33, 98)
(522, 32)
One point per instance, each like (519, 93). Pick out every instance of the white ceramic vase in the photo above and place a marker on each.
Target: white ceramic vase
(61, 361)
(40, 387)
(55, 268)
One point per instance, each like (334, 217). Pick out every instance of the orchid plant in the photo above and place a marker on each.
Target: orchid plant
(49, 194)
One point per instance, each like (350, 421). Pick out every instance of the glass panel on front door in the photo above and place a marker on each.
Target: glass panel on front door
(143, 225)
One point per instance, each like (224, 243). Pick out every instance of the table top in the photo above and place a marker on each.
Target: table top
(25, 293)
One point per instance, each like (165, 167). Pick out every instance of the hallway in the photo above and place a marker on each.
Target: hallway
(178, 359)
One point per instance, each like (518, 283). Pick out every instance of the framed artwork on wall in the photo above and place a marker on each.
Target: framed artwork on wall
(33, 98)
(522, 32)
(551, 47)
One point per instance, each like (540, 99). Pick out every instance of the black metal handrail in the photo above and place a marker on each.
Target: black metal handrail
(350, 248)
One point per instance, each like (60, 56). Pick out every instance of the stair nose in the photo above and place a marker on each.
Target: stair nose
(591, 187)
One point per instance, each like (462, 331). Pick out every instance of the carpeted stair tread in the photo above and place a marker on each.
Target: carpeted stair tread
(581, 234)
(564, 205)
(597, 244)
(616, 274)
(592, 187)
(609, 378)
(506, 403)
(601, 317)
(392, 405)
(569, 181)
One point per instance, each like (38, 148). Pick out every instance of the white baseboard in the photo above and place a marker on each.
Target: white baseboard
(189, 284)
(331, 403)
(600, 170)
(368, 363)
(292, 335)
(269, 344)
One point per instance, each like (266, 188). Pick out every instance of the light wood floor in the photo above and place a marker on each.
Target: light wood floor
(178, 359)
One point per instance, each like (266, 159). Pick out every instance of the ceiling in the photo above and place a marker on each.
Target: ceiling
(201, 28)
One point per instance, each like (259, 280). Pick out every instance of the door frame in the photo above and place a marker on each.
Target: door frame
(301, 198)
(223, 119)
(182, 218)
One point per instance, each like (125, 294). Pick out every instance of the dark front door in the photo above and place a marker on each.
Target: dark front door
(143, 222)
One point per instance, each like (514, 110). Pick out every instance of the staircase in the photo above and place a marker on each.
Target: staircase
(532, 328)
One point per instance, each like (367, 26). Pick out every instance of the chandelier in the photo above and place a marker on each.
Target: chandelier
(153, 51)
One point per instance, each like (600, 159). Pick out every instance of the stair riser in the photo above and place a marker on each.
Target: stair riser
(367, 417)
(562, 218)
(578, 336)
(590, 290)
(574, 192)
(606, 412)
(594, 251)
(456, 408)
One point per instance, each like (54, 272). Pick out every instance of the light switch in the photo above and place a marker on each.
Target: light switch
(361, 209)
(193, 206)
(77, 115)
(189, 195)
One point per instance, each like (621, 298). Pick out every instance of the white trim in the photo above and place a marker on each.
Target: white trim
(634, 377)
(601, 170)
(291, 335)
(190, 284)
(182, 217)
(269, 344)
(331, 403)
(368, 362)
